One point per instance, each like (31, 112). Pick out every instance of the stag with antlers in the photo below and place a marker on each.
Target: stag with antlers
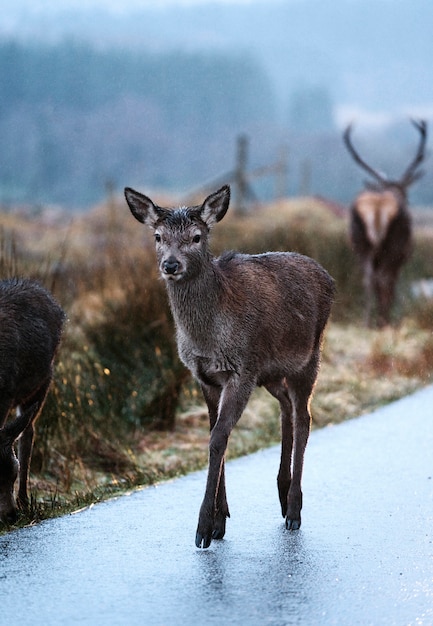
(381, 228)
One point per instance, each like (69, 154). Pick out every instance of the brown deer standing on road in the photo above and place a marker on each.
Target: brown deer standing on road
(30, 330)
(241, 321)
(381, 229)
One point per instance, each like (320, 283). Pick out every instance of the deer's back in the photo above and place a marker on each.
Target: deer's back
(282, 287)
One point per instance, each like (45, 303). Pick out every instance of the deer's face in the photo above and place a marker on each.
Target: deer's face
(8, 474)
(181, 245)
(181, 235)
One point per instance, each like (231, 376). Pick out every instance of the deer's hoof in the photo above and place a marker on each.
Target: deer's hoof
(202, 541)
(218, 533)
(293, 524)
(219, 527)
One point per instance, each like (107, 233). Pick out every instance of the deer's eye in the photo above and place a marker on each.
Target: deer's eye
(196, 238)
(157, 238)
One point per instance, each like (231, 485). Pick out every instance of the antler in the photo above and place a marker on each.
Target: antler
(411, 174)
(379, 176)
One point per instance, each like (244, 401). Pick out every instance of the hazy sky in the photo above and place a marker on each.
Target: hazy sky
(14, 9)
(118, 5)
(367, 56)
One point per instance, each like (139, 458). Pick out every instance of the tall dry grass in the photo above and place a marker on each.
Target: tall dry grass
(122, 409)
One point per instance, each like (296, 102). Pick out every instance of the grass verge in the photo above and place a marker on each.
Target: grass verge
(361, 371)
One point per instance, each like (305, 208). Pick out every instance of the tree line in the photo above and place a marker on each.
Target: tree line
(76, 119)
(73, 117)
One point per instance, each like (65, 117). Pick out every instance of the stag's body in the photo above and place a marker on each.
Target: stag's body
(381, 229)
(381, 235)
(30, 330)
(241, 321)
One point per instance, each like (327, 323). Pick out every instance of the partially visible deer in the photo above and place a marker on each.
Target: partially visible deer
(381, 229)
(241, 321)
(31, 325)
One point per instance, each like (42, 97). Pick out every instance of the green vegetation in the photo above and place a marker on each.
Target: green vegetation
(123, 411)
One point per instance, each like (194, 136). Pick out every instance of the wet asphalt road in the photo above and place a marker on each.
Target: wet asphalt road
(364, 554)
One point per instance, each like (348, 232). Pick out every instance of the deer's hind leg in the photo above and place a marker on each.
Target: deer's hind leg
(300, 390)
(294, 395)
(280, 391)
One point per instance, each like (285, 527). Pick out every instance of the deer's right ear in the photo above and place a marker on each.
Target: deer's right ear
(142, 207)
(215, 206)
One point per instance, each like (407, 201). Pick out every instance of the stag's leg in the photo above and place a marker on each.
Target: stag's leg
(368, 280)
(212, 396)
(385, 293)
(25, 443)
(281, 393)
(234, 397)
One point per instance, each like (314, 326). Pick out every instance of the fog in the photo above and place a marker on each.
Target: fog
(155, 94)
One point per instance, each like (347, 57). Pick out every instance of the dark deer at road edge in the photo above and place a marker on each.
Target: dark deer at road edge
(31, 325)
(241, 321)
(381, 229)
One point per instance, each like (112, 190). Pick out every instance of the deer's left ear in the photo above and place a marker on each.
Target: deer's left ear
(215, 206)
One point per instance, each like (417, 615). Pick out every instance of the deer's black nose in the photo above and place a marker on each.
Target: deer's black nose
(171, 265)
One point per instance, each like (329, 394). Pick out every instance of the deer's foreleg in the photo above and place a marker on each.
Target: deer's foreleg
(234, 397)
(212, 396)
(25, 442)
(25, 446)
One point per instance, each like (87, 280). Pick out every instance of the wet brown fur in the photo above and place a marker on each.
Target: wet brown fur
(241, 321)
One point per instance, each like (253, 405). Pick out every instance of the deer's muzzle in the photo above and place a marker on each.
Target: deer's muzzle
(171, 266)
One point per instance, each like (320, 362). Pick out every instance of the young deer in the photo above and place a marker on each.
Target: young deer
(380, 228)
(30, 329)
(241, 321)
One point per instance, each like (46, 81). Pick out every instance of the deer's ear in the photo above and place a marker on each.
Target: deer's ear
(142, 207)
(215, 206)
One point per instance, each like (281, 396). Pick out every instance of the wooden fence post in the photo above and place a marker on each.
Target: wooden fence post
(240, 174)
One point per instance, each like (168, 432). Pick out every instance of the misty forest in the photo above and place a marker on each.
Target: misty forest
(158, 98)
(73, 118)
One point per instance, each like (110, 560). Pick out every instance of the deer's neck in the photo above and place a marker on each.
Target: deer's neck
(194, 301)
